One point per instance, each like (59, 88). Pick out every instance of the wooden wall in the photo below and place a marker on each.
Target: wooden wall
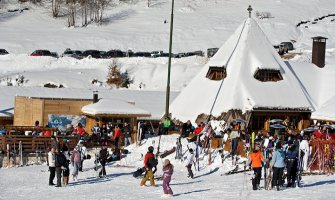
(28, 110)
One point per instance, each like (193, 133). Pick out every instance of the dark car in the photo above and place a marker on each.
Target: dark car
(142, 54)
(211, 52)
(288, 45)
(72, 53)
(41, 53)
(3, 52)
(115, 53)
(92, 53)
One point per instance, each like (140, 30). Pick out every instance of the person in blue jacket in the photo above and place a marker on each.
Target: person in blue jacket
(278, 165)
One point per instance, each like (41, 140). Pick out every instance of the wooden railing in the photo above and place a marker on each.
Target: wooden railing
(32, 144)
(20, 130)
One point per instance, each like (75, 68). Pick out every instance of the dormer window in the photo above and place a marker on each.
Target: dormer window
(268, 75)
(216, 73)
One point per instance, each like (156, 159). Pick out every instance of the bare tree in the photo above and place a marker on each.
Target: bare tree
(56, 7)
(71, 6)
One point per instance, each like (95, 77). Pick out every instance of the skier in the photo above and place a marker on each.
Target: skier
(103, 155)
(278, 165)
(75, 160)
(117, 135)
(291, 165)
(189, 162)
(60, 164)
(127, 130)
(255, 159)
(167, 173)
(304, 147)
(51, 164)
(66, 171)
(149, 163)
(83, 154)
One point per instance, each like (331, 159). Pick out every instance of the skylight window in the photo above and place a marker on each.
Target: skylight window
(268, 75)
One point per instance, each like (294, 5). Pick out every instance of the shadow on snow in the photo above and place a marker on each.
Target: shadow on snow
(94, 180)
(320, 183)
(195, 191)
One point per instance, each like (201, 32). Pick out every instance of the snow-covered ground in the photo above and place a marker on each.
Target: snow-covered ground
(31, 182)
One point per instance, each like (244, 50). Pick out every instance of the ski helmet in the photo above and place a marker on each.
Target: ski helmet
(151, 149)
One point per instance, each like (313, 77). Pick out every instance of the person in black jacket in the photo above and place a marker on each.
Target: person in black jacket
(291, 164)
(127, 131)
(103, 159)
(60, 164)
(186, 129)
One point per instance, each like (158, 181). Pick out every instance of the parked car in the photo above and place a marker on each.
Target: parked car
(129, 53)
(54, 54)
(211, 52)
(142, 54)
(288, 45)
(3, 52)
(156, 54)
(72, 53)
(281, 49)
(41, 53)
(198, 53)
(115, 53)
(92, 53)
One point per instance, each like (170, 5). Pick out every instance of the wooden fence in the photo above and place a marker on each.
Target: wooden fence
(32, 144)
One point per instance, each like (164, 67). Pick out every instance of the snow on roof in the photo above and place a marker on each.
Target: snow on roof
(114, 106)
(247, 50)
(325, 112)
(150, 101)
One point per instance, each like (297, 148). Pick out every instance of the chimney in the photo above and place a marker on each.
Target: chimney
(319, 51)
(95, 97)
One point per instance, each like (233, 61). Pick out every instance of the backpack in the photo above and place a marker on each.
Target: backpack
(152, 162)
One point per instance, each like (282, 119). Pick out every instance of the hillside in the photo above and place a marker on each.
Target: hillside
(198, 25)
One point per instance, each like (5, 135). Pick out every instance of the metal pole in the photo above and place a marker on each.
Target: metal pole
(169, 65)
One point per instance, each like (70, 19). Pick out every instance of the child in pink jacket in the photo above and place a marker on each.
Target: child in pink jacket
(167, 173)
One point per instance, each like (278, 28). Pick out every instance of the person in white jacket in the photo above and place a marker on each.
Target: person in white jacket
(83, 153)
(304, 147)
(189, 162)
(52, 167)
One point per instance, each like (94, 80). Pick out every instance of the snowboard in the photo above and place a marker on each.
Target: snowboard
(168, 152)
(138, 172)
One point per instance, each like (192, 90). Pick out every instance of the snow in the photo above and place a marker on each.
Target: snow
(113, 106)
(246, 51)
(31, 182)
(326, 112)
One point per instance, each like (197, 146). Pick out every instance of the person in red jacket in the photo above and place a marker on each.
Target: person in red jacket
(117, 135)
(148, 164)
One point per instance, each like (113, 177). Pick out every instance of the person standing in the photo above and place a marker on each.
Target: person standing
(61, 164)
(103, 155)
(51, 164)
(278, 165)
(127, 131)
(304, 147)
(117, 135)
(186, 129)
(167, 124)
(75, 160)
(292, 164)
(66, 171)
(167, 174)
(83, 154)
(188, 163)
(234, 136)
(148, 160)
(255, 159)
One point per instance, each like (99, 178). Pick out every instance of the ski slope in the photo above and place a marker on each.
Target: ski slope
(31, 182)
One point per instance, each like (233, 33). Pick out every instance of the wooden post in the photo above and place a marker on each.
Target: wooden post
(8, 156)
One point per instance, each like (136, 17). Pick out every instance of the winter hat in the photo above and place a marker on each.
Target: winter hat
(191, 150)
(151, 149)
(166, 162)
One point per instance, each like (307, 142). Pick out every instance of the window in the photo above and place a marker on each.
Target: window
(216, 73)
(266, 75)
